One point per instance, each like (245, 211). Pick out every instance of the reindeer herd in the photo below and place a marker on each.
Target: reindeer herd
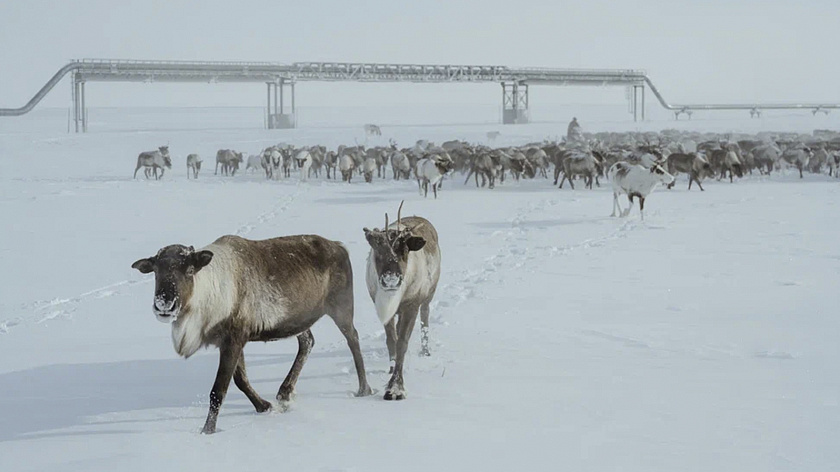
(614, 156)
(235, 290)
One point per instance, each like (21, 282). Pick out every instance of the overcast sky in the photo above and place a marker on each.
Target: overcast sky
(695, 51)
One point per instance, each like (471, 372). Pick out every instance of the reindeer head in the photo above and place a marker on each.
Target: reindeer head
(444, 162)
(661, 175)
(389, 249)
(175, 267)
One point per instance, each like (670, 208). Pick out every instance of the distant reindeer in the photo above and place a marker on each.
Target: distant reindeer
(154, 160)
(372, 130)
(194, 165)
(229, 160)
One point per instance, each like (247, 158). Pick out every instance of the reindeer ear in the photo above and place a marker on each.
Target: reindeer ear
(368, 235)
(144, 265)
(201, 259)
(415, 243)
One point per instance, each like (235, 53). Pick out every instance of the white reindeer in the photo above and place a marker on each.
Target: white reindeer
(304, 161)
(635, 181)
(430, 171)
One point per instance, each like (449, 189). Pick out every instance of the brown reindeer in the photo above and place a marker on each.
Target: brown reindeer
(235, 291)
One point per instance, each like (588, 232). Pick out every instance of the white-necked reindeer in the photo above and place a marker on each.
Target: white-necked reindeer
(236, 290)
(635, 181)
(403, 269)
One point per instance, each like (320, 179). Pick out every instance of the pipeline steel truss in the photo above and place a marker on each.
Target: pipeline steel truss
(277, 76)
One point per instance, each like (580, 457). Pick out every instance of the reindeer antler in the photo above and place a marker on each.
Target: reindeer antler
(399, 215)
(386, 221)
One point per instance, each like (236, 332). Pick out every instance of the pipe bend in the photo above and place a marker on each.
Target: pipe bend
(41, 93)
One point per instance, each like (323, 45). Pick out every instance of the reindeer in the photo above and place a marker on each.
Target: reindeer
(330, 162)
(635, 181)
(154, 160)
(403, 269)
(236, 290)
(368, 166)
(229, 160)
(696, 166)
(254, 162)
(430, 171)
(317, 153)
(271, 161)
(485, 166)
(732, 164)
(287, 162)
(582, 164)
(346, 165)
(797, 155)
(766, 156)
(373, 130)
(194, 165)
(304, 161)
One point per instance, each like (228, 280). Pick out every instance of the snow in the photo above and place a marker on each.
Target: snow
(704, 338)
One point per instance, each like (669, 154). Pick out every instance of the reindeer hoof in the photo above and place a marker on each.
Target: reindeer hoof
(394, 395)
(424, 352)
(365, 391)
(263, 407)
(208, 430)
(285, 394)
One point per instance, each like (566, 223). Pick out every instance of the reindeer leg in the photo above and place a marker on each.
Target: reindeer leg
(391, 341)
(135, 170)
(424, 329)
(642, 207)
(240, 378)
(627, 211)
(396, 386)
(305, 343)
(343, 318)
(228, 359)
(615, 204)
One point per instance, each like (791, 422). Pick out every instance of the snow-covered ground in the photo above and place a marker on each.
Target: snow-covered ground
(704, 339)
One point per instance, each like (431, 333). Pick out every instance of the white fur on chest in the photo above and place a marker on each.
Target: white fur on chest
(212, 300)
(417, 281)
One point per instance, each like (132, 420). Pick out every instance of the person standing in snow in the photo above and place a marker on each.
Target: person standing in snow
(574, 133)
